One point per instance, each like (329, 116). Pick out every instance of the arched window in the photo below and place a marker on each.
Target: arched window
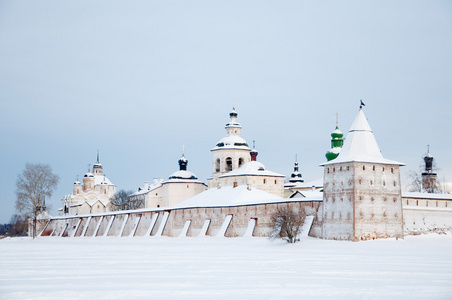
(241, 161)
(228, 164)
(217, 165)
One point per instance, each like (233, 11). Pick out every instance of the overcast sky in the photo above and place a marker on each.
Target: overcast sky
(139, 79)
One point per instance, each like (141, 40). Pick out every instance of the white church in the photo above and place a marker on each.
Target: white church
(359, 198)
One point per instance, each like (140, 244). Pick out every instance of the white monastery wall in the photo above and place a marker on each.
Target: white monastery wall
(147, 223)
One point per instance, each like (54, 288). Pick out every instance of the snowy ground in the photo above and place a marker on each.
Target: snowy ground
(223, 268)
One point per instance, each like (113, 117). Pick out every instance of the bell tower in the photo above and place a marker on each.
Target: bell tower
(231, 152)
(428, 176)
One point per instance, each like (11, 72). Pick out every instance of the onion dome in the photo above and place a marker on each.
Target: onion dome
(183, 162)
(337, 134)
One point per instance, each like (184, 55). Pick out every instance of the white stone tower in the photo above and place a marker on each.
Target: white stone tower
(362, 193)
(231, 152)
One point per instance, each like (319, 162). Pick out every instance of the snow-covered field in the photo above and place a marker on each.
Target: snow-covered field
(224, 268)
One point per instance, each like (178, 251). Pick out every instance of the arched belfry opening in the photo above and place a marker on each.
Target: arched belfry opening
(217, 165)
(228, 164)
(241, 161)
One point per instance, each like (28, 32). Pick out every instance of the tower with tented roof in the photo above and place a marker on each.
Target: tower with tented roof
(362, 192)
(231, 152)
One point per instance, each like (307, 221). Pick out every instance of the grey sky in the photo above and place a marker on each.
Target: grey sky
(137, 80)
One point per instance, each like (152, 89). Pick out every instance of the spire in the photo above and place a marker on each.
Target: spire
(97, 167)
(296, 175)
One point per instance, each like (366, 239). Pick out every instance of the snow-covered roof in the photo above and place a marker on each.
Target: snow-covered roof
(253, 168)
(314, 183)
(232, 142)
(101, 179)
(150, 188)
(229, 196)
(183, 175)
(360, 145)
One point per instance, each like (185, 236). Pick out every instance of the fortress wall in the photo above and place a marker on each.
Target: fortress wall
(141, 223)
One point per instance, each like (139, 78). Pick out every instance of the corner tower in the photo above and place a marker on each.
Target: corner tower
(362, 193)
(231, 152)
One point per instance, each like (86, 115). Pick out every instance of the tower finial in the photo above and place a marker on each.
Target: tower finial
(89, 168)
(296, 157)
(362, 104)
(337, 120)
(233, 103)
(183, 150)
(254, 144)
(428, 148)
(98, 156)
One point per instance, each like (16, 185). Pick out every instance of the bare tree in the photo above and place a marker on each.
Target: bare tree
(121, 201)
(286, 224)
(32, 186)
(415, 180)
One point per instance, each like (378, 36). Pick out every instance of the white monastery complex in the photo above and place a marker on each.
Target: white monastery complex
(359, 198)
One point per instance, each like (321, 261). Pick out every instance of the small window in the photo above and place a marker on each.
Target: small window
(348, 168)
(384, 183)
(372, 199)
(334, 169)
(392, 170)
(395, 183)
(328, 170)
(265, 181)
(340, 169)
(394, 199)
(158, 205)
(275, 181)
(235, 183)
(373, 168)
(383, 169)
(187, 186)
(364, 168)
(371, 182)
